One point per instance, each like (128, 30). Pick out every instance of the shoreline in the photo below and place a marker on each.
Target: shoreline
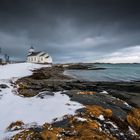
(95, 96)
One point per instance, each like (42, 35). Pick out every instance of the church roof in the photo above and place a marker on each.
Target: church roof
(43, 54)
(34, 53)
(32, 47)
(37, 53)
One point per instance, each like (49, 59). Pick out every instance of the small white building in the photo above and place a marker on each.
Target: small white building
(38, 57)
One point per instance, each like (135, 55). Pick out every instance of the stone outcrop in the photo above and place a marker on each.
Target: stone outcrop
(133, 118)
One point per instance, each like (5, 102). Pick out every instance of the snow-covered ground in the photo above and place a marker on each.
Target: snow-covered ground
(28, 110)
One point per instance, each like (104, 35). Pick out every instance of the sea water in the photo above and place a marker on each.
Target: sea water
(112, 72)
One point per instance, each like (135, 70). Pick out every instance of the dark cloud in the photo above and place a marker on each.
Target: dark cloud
(70, 30)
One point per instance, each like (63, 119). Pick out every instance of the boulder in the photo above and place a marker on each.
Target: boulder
(44, 94)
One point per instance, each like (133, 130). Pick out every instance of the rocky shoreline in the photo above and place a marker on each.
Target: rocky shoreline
(112, 110)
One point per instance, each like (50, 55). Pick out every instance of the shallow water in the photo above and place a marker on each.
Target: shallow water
(113, 72)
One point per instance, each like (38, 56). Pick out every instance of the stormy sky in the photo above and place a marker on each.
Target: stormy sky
(72, 30)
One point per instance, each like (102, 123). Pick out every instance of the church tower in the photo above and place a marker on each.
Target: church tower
(31, 50)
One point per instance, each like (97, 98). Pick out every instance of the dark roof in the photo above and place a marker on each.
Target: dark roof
(31, 47)
(47, 56)
(34, 53)
(43, 54)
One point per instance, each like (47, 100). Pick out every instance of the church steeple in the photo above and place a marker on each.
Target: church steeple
(31, 50)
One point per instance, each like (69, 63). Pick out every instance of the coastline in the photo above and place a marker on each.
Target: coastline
(118, 100)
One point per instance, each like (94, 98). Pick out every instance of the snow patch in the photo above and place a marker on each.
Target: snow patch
(101, 117)
(125, 103)
(81, 119)
(114, 126)
(132, 131)
(14, 108)
(104, 92)
(18, 70)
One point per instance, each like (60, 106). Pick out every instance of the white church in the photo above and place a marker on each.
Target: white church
(38, 57)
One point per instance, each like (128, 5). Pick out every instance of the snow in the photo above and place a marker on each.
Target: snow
(18, 70)
(115, 127)
(101, 117)
(132, 131)
(125, 103)
(104, 92)
(81, 119)
(29, 110)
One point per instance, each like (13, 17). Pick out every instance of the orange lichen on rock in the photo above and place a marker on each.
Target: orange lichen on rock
(78, 123)
(98, 110)
(27, 135)
(87, 92)
(133, 118)
(50, 133)
(79, 128)
(91, 135)
(85, 130)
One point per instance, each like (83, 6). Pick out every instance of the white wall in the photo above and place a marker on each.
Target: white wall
(39, 59)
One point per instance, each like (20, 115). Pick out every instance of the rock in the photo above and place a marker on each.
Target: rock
(133, 118)
(27, 135)
(98, 110)
(69, 133)
(81, 66)
(18, 125)
(77, 67)
(105, 114)
(51, 133)
(27, 92)
(3, 86)
(87, 92)
(44, 94)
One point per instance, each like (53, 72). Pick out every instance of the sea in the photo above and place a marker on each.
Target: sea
(111, 73)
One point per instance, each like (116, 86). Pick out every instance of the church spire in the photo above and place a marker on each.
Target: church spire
(31, 50)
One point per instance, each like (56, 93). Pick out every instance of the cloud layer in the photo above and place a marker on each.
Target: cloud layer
(72, 30)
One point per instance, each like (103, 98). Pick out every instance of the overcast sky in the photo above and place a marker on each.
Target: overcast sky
(72, 30)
